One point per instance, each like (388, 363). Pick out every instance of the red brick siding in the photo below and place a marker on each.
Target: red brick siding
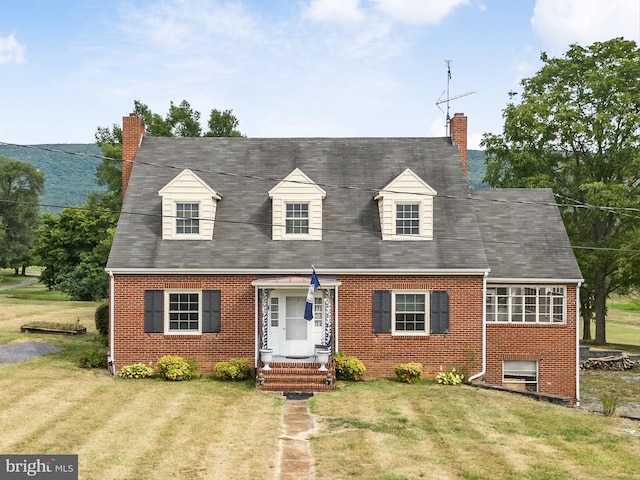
(552, 346)
(381, 351)
(236, 338)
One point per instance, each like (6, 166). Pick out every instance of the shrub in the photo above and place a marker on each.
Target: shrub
(449, 378)
(408, 372)
(237, 369)
(137, 370)
(349, 368)
(101, 318)
(176, 368)
(95, 358)
(609, 404)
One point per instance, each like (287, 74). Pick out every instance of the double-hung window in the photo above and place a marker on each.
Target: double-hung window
(526, 304)
(407, 219)
(410, 313)
(297, 218)
(187, 218)
(184, 312)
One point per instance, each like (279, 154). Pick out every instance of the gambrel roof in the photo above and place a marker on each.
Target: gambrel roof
(350, 170)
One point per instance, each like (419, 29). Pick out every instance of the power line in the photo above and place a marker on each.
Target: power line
(372, 191)
(323, 229)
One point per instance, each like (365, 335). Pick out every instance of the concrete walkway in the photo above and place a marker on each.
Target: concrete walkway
(296, 462)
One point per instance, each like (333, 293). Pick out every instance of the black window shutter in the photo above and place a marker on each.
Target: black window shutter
(381, 311)
(211, 311)
(153, 311)
(439, 312)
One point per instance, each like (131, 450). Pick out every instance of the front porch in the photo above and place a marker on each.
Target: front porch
(296, 375)
(291, 341)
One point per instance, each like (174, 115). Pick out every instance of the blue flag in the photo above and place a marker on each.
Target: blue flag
(313, 286)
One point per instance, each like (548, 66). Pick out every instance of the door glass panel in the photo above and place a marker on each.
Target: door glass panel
(296, 324)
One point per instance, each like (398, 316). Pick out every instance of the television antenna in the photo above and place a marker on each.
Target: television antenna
(448, 98)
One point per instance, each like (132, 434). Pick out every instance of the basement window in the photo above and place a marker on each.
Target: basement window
(520, 375)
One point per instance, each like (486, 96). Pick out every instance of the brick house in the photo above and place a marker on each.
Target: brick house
(213, 254)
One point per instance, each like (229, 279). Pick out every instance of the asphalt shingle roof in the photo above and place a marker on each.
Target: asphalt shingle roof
(523, 234)
(351, 170)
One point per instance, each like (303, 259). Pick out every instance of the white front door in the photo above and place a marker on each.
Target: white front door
(297, 330)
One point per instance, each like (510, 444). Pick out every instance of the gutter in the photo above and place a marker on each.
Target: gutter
(110, 357)
(484, 330)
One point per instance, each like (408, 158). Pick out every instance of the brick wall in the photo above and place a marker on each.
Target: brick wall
(381, 351)
(236, 339)
(553, 346)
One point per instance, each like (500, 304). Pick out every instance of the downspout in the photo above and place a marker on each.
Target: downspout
(335, 320)
(484, 330)
(255, 333)
(110, 358)
(578, 343)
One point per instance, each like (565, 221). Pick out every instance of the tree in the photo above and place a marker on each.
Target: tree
(21, 185)
(180, 121)
(73, 248)
(223, 124)
(577, 131)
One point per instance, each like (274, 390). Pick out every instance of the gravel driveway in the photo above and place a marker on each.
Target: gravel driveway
(21, 351)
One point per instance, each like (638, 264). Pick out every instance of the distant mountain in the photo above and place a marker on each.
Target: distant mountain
(69, 171)
(476, 169)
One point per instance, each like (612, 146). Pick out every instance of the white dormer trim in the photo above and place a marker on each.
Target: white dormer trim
(406, 189)
(296, 189)
(188, 188)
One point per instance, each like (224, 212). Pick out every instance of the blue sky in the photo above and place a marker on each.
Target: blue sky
(287, 68)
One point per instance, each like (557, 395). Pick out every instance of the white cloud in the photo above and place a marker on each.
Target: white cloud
(563, 22)
(176, 23)
(419, 11)
(11, 51)
(344, 11)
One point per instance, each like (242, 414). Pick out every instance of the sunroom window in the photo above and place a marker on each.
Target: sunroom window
(526, 304)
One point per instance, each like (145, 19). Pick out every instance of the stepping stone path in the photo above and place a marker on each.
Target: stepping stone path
(296, 462)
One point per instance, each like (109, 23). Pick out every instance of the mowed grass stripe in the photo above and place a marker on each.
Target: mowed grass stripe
(165, 419)
(47, 405)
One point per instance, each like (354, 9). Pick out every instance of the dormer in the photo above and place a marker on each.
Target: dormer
(188, 208)
(405, 207)
(296, 206)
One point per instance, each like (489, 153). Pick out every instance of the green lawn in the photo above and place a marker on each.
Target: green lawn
(378, 429)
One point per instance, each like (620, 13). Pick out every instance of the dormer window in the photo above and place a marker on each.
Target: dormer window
(297, 218)
(188, 208)
(296, 206)
(407, 219)
(405, 206)
(187, 218)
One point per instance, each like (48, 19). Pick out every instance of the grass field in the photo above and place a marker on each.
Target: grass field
(378, 429)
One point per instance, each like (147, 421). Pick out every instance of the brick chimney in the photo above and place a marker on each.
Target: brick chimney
(132, 132)
(458, 129)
